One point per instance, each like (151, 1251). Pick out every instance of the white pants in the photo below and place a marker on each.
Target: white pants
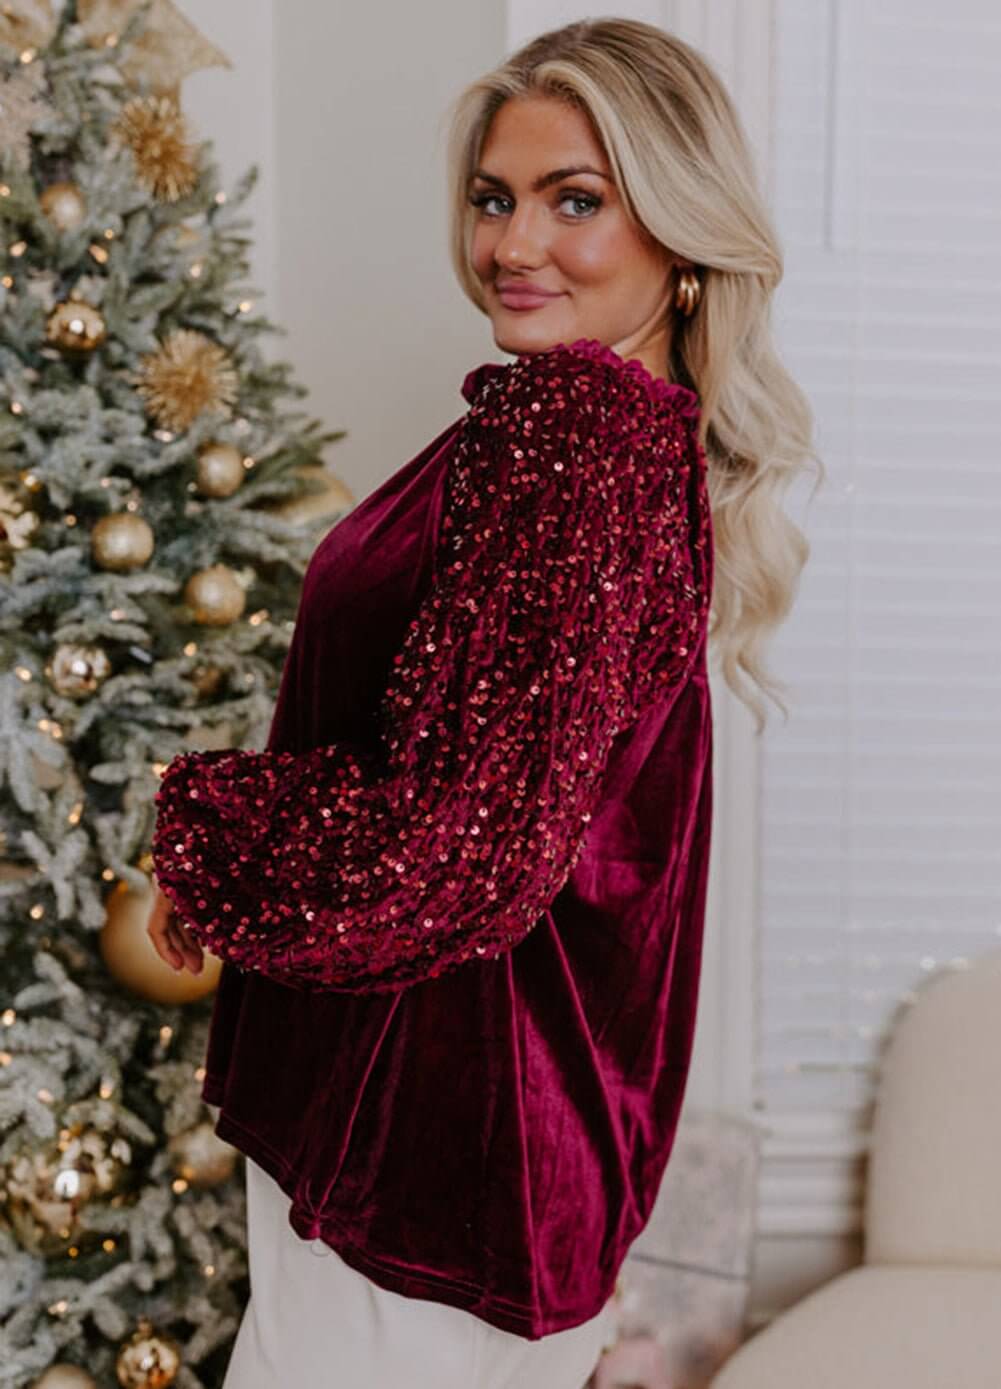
(313, 1320)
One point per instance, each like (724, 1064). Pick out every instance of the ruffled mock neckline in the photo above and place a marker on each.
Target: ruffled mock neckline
(681, 397)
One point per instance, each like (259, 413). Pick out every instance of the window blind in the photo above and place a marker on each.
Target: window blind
(880, 851)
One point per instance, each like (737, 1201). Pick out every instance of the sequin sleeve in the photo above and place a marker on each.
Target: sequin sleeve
(569, 591)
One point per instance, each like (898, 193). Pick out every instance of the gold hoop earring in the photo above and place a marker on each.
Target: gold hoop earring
(689, 292)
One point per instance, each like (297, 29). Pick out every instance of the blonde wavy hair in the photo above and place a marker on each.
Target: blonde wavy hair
(684, 169)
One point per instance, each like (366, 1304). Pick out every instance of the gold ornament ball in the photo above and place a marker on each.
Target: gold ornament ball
(220, 470)
(201, 1157)
(47, 1187)
(330, 501)
(76, 326)
(149, 1359)
(76, 671)
(206, 679)
(64, 205)
(132, 958)
(44, 1221)
(215, 596)
(64, 1377)
(121, 541)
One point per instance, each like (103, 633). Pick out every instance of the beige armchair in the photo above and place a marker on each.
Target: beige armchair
(923, 1310)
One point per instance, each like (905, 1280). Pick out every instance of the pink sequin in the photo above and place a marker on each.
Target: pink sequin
(570, 592)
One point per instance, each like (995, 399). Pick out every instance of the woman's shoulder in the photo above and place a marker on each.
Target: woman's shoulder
(584, 366)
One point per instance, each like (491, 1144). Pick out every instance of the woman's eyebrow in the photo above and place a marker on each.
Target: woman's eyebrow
(554, 176)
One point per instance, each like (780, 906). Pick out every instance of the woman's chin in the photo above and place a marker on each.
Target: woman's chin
(529, 332)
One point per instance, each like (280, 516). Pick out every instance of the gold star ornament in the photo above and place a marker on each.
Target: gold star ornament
(155, 130)
(189, 373)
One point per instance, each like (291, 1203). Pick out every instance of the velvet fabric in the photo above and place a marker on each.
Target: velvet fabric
(494, 1137)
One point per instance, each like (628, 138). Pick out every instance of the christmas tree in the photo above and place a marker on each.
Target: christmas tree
(159, 502)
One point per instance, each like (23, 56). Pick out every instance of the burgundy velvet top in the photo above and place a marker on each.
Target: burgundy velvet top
(460, 895)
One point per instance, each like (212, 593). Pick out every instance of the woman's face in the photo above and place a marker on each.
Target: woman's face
(538, 227)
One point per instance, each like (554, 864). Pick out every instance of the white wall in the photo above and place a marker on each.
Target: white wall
(343, 107)
(234, 108)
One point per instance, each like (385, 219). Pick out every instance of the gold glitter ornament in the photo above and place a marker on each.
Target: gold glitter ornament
(48, 1186)
(189, 373)
(22, 109)
(201, 1157)
(215, 596)
(149, 1359)
(76, 671)
(168, 49)
(121, 541)
(220, 470)
(76, 326)
(27, 24)
(131, 957)
(64, 205)
(333, 501)
(155, 130)
(206, 679)
(18, 519)
(64, 1376)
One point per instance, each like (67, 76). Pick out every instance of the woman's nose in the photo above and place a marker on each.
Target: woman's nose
(522, 243)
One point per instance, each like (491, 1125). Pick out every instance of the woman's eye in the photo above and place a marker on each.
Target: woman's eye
(590, 200)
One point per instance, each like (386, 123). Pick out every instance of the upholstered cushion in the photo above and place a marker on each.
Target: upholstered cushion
(932, 1182)
(880, 1328)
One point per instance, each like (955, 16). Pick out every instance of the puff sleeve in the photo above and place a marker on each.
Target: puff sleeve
(569, 590)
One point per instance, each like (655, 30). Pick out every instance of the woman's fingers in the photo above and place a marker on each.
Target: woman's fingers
(187, 944)
(170, 938)
(158, 930)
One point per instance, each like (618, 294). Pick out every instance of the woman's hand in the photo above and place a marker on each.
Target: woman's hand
(171, 939)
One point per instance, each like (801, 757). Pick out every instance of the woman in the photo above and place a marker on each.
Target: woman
(460, 896)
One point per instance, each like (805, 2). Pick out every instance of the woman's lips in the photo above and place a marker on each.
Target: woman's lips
(524, 299)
